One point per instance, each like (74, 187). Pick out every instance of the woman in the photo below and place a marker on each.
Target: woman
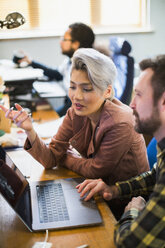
(98, 126)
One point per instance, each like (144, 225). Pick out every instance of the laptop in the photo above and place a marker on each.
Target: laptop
(42, 205)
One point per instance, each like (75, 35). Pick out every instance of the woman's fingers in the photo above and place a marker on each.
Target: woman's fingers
(4, 108)
(7, 114)
(18, 114)
(18, 107)
(18, 123)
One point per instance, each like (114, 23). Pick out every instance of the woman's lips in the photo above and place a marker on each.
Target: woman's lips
(78, 106)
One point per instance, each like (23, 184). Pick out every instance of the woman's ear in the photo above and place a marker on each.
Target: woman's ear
(108, 94)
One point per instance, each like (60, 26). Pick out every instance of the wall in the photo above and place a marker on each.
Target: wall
(47, 50)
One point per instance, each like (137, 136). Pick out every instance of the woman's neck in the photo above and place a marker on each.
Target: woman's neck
(95, 117)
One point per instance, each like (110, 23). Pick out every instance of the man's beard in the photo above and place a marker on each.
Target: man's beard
(69, 53)
(149, 125)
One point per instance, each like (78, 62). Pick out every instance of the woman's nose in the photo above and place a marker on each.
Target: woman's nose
(78, 94)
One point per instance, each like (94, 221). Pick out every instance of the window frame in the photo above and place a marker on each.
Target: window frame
(95, 20)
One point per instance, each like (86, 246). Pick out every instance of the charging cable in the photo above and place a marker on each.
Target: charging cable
(46, 238)
(44, 244)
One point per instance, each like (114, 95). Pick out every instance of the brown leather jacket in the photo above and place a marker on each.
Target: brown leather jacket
(113, 151)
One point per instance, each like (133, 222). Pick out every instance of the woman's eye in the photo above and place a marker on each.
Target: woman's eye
(87, 90)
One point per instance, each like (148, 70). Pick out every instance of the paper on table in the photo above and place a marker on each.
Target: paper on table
(20, 74)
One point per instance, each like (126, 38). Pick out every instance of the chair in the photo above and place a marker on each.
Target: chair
(120, 49)
(152, 152)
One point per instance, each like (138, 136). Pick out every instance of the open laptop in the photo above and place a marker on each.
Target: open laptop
(45, 205)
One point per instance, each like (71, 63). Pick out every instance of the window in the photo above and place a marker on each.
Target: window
(54, 15)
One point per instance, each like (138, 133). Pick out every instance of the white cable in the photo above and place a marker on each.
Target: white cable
(46, 238)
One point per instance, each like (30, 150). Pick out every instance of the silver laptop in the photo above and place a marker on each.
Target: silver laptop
(45, 205)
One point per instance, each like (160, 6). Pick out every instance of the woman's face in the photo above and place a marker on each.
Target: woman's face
(85, 100)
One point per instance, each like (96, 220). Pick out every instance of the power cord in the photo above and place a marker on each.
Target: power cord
(44, 244)
(46, 238)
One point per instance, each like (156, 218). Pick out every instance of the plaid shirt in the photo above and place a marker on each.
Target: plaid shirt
(145, 228)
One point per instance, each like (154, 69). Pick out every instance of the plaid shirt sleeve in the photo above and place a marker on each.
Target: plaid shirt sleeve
(145, 228)
(139, 185)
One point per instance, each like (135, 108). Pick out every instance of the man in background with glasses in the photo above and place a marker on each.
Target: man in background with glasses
(77, 35)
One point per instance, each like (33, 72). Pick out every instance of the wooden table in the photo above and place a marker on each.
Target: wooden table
(44, 115)
(14, 234)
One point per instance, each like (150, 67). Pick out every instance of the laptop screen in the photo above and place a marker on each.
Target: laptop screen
(14, 187)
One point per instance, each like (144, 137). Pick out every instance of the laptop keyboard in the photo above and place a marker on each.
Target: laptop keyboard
(52, 205)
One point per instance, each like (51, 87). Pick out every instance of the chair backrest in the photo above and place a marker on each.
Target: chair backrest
(152, 152)
(120, 49)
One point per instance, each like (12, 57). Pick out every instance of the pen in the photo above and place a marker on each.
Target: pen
(11, 109)
(82, 246)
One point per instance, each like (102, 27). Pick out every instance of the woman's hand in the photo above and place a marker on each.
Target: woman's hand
(90, 187)
(22, 119)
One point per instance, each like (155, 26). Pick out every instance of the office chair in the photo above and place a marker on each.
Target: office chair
(152, 152)
(120, 49)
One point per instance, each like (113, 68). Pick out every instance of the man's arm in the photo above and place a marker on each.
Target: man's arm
(144, 228)
(49, 72)
(140, 185)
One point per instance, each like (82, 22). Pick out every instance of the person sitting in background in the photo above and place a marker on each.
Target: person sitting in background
(119, 50)
(76, 36)
(98, 126)
(143, 223)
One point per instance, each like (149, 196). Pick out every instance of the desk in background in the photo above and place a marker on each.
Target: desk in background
(15, 76)
(23, 86)
(51, 91)
(14, 234)
(19, 83)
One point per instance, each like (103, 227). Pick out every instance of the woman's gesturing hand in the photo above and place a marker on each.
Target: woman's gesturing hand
(19, 116)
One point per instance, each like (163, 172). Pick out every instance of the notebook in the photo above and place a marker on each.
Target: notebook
(53, 204)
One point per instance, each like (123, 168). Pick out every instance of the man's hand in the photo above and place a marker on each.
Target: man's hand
(26, 59)
(91, 187)
(137, 202)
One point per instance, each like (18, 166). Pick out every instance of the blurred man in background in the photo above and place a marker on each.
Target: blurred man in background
(76, 36)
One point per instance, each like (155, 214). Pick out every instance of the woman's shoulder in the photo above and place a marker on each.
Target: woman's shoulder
(116, 112)
(117, 103)
(118, 106)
